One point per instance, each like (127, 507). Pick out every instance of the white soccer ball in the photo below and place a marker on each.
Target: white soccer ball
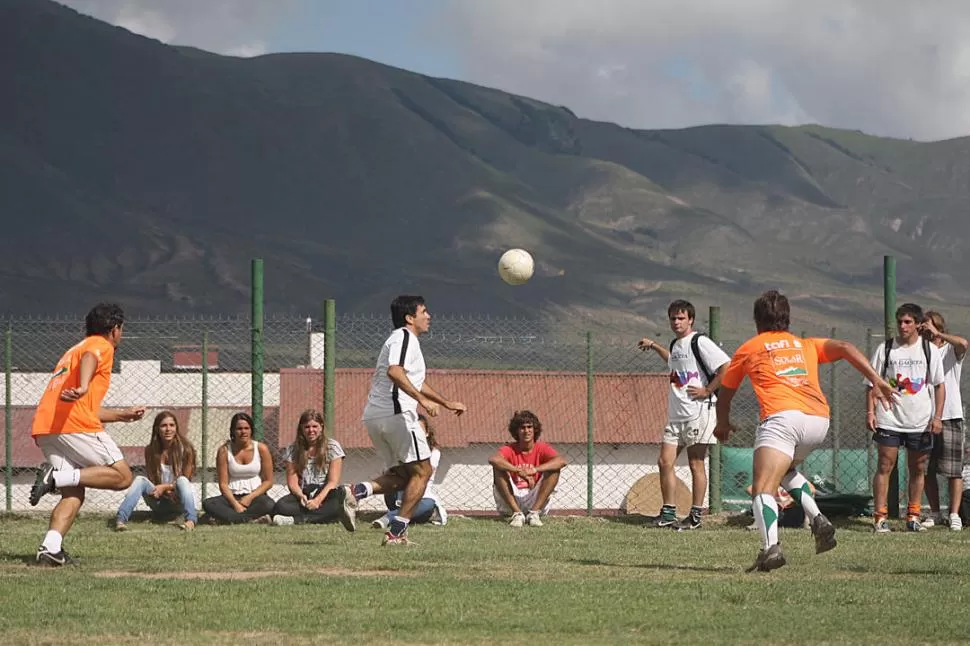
(516, 266)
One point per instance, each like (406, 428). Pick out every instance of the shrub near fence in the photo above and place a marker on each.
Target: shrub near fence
(602, 402)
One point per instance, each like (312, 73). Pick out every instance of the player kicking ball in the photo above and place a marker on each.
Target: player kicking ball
(794, 417)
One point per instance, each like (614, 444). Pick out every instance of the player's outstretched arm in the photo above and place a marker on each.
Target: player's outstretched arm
(436, 397)
(400, 379)
(723, 429)
(646, 343)
(843, 350)
(109, 415)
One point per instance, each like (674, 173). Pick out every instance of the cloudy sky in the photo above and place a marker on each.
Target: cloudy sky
(890, 67)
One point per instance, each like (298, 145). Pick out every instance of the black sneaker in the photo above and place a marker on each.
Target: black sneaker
(824, 533)
(50, 559)
(43, 484)
(667, 517)
(768, 560)
(348, 509)
(690, 521)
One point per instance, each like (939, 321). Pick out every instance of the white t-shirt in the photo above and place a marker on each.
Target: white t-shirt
(952, 370)
(311, 474)
(907, 374)
(385, 399)
(684, 372)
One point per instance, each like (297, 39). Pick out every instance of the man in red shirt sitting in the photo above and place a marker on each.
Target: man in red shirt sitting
(525, 472)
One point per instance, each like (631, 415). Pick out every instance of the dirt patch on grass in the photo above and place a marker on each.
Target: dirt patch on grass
(246, 576)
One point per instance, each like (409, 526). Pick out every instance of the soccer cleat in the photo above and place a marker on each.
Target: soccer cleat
(283, 520)
(881, 526)
(43, 484)
(121, 526)
(667, 517)
(533, 520)
(688, 522)
(824, 533)
(956, 523)
(768, 560)
(402, 540)
(348, 510)
(517, 520)
(913, 525)
(50, 559)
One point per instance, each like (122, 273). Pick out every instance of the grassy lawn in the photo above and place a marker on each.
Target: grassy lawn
(574, 581)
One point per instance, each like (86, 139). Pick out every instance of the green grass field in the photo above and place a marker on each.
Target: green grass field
(574, 581)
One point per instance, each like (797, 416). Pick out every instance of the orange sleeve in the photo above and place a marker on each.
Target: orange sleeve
(736, 369)
(820, 350)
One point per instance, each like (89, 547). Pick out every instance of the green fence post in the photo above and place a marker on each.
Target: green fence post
(8, 416)
(835, 407)
(714, 479)
(589, 423)
(329, 362)
(256, 289)
(889, 319)
(205, 411)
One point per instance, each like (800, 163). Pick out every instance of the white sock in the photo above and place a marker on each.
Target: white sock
(766, 518)
(67, 478)
(52, 542)
(796, 484)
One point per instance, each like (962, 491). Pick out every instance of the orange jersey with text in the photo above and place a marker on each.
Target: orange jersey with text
(54, 416)
(784, 372)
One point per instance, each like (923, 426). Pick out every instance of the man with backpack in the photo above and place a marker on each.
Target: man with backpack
(696, 366)
(912, 365)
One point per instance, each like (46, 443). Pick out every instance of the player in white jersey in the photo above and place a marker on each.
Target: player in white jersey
(391, 416)
(696, 366)
(947, 456)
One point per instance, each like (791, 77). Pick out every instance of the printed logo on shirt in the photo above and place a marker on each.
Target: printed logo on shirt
(907, 385)
(680, 378)
(788, 361)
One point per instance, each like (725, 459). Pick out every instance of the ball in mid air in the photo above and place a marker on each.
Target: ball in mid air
(516, 266)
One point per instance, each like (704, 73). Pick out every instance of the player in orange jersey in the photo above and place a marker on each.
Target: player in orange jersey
(794, 416)
(68, 429)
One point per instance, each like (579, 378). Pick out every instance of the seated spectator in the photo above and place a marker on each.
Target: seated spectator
(429, 509)
(170, 465)
(525, 472)
(313, 467)
(245, 472)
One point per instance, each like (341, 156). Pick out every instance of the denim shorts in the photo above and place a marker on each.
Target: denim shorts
(912, 441)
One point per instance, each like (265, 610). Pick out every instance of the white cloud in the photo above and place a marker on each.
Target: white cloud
(231, 27)
(892, 67)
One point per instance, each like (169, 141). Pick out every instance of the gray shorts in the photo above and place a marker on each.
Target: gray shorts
(946, 458)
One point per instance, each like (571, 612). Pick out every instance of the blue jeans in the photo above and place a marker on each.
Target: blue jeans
(161, 507)
(421, 513)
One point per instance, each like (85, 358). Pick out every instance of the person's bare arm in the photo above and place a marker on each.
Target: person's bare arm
(400, 379)
(724, 429)
(437, 397)
(265, 475)
(555, 464)
(222, 473)
(109, 415)
(646, 343)
(89, 363)
(499, 462)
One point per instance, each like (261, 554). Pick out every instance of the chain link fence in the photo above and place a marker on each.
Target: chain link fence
(602, 403)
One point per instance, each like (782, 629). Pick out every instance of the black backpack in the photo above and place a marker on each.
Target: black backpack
(696, 351)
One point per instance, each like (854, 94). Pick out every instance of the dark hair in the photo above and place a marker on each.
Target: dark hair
(103, 318)
(429, 431)
(404, 306)
(232, 424)
(681, 306)
(522, 417)
(938, 321)
(912, 309)
(772, 312)
(303, 444)
(180, 455)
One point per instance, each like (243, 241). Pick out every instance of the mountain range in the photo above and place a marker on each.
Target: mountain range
(152, 174)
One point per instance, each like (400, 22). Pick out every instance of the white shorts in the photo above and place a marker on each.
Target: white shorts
(399, 439)
(68, 451)
(526, 498)
(696, 431)
(792, 432)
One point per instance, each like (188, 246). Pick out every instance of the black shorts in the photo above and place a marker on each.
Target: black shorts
(913, 441)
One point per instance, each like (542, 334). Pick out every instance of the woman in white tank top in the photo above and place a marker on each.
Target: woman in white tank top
(245, 472)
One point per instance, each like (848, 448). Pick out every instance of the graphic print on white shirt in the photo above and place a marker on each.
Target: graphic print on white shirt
(685, 372)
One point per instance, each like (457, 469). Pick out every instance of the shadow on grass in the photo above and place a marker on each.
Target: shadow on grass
(655, 566)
